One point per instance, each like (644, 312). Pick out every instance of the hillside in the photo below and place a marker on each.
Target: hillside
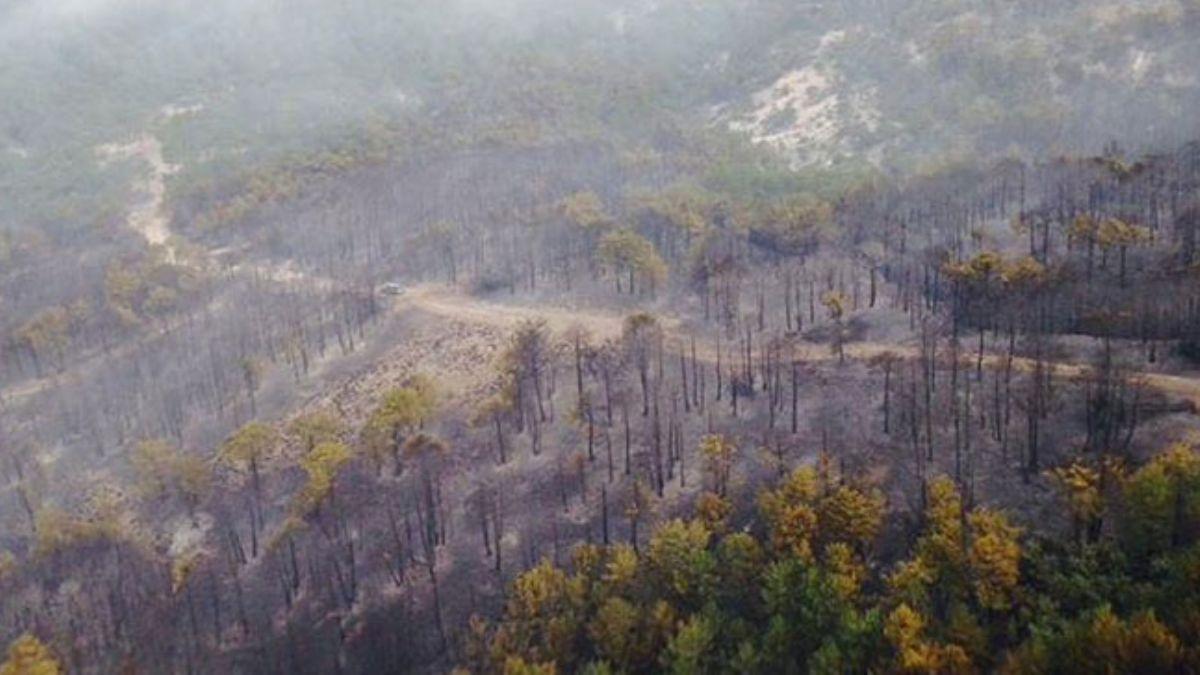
(529, 337)
(929, 80)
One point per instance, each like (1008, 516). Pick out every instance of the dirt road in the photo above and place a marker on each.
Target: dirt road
(147, 214)
(448, 302)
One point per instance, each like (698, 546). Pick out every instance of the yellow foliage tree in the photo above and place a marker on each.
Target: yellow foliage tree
(248, 446)
(914, 653)
(988, 272)
(1104, 643)
(851, 515)
(322, 466)
(621, 570)
(401, 411)
(1116, 232)
(542, 617)
(846, 574)
(741, 561)
(8, 565)
(58, 530)
(718, 453)
(1083, 488)
(793, 528)
(163, 469)
(515, 665)
(1083, 228)
(615, 630)
(835, 304)
(1162, 500)
(28, 656)
(942, 547)
(182, 568)
(789, 514)
(995, 557)
(980, 268)
(585, 210)
(679, 557)
(627, 253)
(1023, 273)
(813, 508)
(316, 427)
(713, 510)
(960, 556)
(631, 637)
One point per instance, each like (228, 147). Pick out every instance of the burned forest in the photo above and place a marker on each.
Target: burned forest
(523, 337)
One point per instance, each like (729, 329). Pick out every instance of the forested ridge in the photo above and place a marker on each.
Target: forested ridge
(515, 337)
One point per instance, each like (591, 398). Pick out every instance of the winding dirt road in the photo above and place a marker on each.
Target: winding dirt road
(444, 301)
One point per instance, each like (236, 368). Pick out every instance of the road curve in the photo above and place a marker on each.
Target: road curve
(449, 302)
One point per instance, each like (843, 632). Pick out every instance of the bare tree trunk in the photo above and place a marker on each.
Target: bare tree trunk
(604, 511)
